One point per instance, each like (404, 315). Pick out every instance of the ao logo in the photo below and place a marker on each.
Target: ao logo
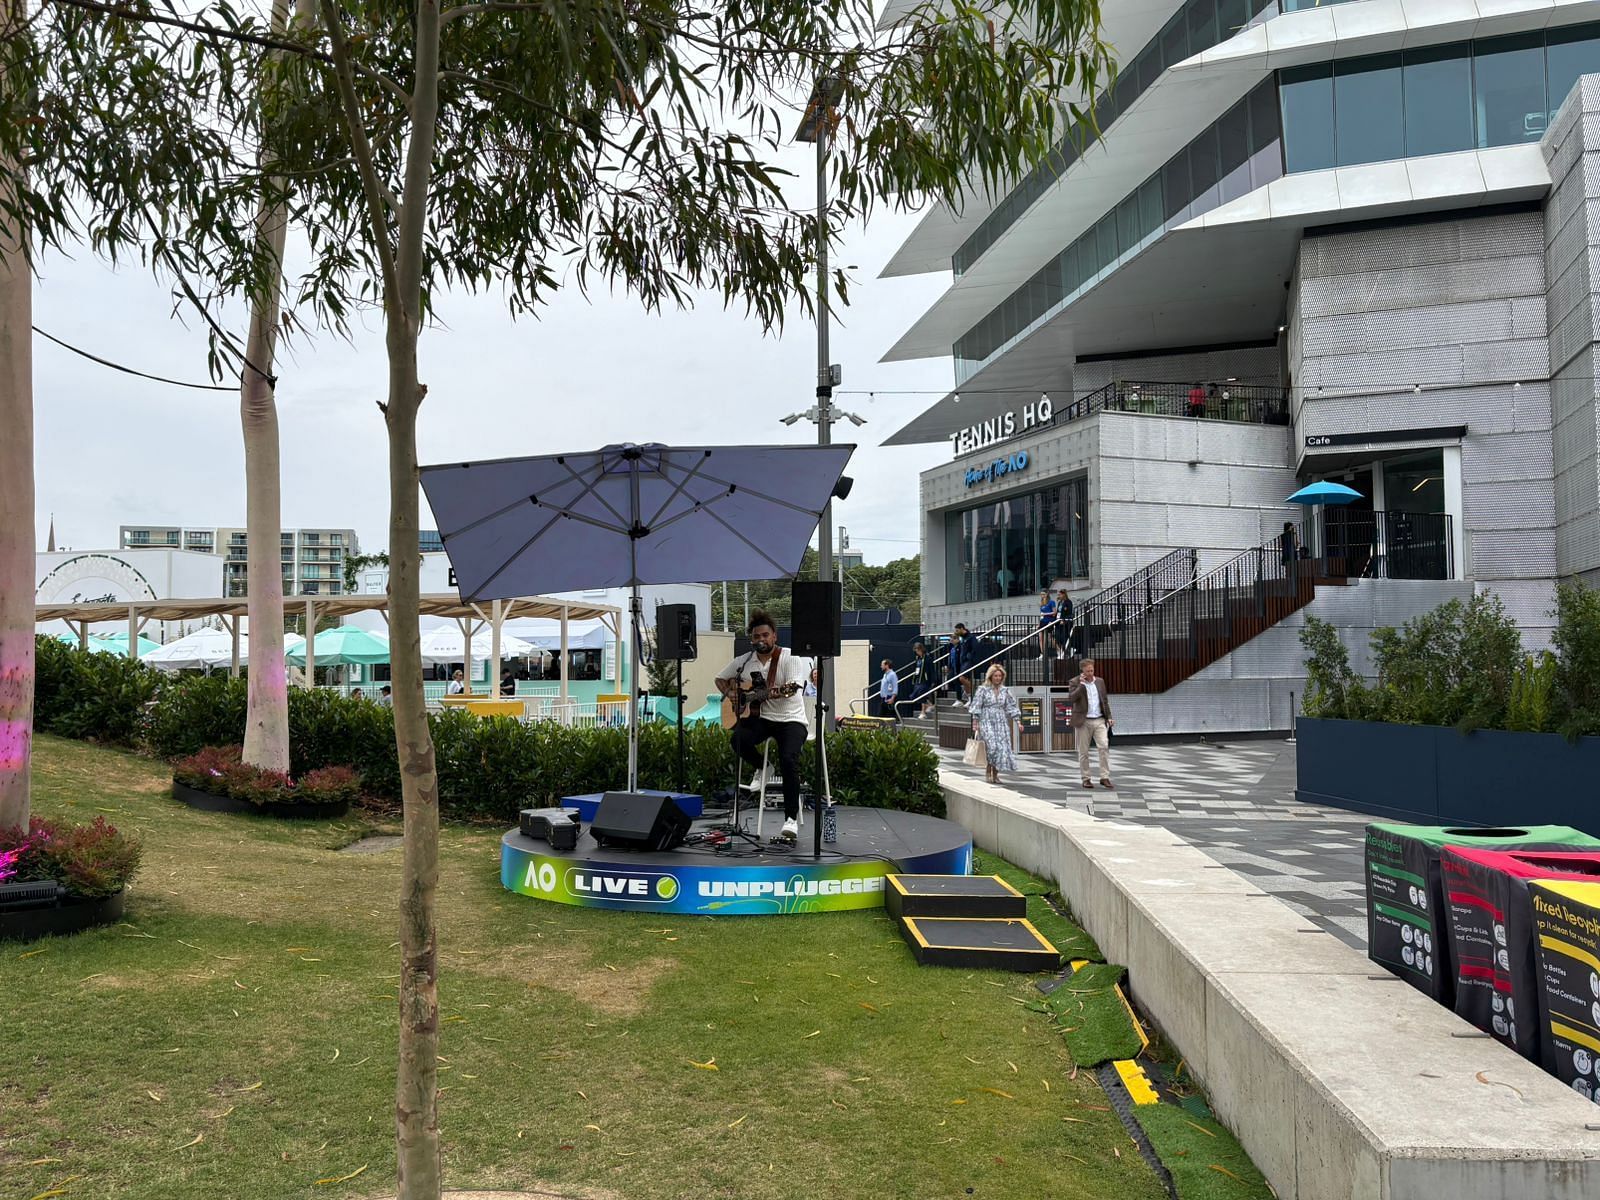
(544, 878)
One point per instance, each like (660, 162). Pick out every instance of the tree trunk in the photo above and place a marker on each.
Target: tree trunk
(16, 511)
(417, 1077)
(266, 725)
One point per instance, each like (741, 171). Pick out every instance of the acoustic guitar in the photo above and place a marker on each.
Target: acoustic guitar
(747, 700)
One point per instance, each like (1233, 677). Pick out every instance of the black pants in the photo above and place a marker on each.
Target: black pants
(752, 733)
(886, 707)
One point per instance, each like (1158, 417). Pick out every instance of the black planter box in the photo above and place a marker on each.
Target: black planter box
(68, 916)
(1432, 775)
(207, 802)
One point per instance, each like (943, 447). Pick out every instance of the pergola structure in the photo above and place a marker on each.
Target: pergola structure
(472, 617)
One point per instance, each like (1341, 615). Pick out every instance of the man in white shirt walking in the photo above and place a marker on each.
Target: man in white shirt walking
(1091, 721)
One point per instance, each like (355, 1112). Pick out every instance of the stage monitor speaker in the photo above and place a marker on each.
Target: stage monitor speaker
(815, 618)
(639, 821)
(675, 635)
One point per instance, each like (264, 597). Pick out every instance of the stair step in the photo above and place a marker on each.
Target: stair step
(996, 943)
(952, 896)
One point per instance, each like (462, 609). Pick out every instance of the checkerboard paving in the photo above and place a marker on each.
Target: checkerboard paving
(1235, 801)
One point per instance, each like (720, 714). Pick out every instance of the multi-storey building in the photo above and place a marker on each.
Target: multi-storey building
(312, 559)
(1344, 241)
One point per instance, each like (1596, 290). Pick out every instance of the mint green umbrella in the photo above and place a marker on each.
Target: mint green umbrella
(344, 644)
(117, 643)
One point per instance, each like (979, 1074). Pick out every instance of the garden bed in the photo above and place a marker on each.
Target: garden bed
(210, 802)
(71, 914)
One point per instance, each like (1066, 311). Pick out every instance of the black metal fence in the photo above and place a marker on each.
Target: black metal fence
(1360, 544)
(1250, 403)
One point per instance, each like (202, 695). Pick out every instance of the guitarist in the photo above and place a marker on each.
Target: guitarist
(765, 688)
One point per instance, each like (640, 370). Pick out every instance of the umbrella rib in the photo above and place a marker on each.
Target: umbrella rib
(750, 491)
(690, 474)
(717, 517)
(589, 489)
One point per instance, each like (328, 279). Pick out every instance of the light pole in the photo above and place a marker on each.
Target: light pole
(815, 126)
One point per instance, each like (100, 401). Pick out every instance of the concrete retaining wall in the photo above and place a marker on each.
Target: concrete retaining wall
(1340, 1085)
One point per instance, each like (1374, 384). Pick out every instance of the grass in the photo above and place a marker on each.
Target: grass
(236, 1037)
(1092, 1016)
(1205, 1161)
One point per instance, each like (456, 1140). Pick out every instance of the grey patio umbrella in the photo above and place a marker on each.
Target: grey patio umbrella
(628, 515)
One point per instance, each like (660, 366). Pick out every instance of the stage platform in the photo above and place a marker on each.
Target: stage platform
(740, 876)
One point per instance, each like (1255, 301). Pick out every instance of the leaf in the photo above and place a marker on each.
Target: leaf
(869, 1007)
(251, 1088)
(1201, 1128)
(709, 1065)
(152, 1095)
(997, 1092)
(1012, 1065)
(596, 1128)
(812, 1034)
(198, 1138)
(739, 1122)
(1224, 1170)
(341, 1178)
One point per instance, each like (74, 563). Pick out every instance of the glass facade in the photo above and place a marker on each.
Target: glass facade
(1198, 26)
(1434, 100)
(1018, 545)
(1236, 155)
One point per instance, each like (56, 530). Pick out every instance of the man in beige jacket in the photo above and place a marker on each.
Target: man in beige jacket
(1091, 721)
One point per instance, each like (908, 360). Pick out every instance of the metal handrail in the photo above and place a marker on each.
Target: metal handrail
(1253, 403)
(933, 660)
(1004, 650)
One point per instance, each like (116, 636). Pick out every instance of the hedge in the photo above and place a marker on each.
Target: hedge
(489, 767)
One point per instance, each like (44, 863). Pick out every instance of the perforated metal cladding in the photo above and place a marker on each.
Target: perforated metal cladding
(1508, 456)
(1529, 504)
(1513, 554)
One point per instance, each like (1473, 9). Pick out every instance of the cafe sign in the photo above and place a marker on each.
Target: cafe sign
(1006, 425)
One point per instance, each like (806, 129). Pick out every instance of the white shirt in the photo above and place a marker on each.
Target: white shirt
(456, 688)
(790, 670)
(1092, 696)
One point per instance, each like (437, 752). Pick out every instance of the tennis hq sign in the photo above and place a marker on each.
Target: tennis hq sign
(1005, 425)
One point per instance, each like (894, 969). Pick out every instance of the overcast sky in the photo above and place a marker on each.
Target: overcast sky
(113, 450)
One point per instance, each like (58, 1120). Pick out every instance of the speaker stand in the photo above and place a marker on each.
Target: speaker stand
(825, 791)
(681, 785)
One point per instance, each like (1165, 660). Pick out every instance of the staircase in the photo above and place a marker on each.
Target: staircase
(967, 921)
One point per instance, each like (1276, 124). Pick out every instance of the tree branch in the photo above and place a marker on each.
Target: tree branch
(361, 148)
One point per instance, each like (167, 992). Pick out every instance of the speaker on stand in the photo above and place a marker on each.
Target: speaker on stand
(816, 631)
(676, 641)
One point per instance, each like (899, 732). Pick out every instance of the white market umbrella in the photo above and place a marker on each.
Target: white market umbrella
(446, 645)
(199, 651)
(545, 634)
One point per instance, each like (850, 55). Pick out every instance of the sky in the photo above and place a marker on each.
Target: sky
(111, 449)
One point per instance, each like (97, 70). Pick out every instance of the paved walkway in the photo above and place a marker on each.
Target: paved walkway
(1233, 800)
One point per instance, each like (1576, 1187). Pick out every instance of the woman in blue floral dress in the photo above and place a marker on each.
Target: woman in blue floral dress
(993, 709)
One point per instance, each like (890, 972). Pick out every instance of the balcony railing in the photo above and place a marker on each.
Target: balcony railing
(1249, 403)
(1387, 545)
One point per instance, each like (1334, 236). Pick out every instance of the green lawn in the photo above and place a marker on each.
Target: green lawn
(235, 1040)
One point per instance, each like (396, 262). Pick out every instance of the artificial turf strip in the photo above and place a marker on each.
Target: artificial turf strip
(1203, 1158)
(1062, 933)
(235, 1037)
(1092, 1016)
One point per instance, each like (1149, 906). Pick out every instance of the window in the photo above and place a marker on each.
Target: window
(1438, 100)
(1508, 90)
(1370, 125)
(1018, 545)
(1572, 52)
(1233, 138)
(1307, 99)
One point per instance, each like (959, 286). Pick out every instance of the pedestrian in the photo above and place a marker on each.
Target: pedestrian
(964, 655)
(1047, 620)
(458, 684)
(994, 712)
(1197, 400)
(386, 696)
(1288, 547)
(1091, 721)
(358, 694)
(1064, 620)
(508, 685)
(918, 675)
(888, 691)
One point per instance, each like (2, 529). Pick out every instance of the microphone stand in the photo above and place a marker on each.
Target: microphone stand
(825, 792)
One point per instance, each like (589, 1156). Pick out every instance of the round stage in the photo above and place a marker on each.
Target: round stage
(742, 877)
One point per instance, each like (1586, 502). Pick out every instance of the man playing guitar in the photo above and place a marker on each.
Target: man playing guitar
(762, 695)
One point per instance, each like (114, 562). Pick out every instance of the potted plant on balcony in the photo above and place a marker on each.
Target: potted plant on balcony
(217, 780)
(57, 879)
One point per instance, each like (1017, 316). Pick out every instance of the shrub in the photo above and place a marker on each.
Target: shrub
(1528, 705)
(1450, 666)
(90, 861)
(89, 695)
(1576, 687)
(1330, 683)
(221, 771)
(194, 711)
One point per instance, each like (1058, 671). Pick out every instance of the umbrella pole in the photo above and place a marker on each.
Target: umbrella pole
(636, 608)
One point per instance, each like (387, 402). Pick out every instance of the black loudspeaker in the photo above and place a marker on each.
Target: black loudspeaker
(639, 822)
(675, 637)
(815, 618)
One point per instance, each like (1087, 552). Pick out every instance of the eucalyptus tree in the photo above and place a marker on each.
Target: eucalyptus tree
(426, 147)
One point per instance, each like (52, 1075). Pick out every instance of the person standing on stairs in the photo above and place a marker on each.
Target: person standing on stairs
(994, 712)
